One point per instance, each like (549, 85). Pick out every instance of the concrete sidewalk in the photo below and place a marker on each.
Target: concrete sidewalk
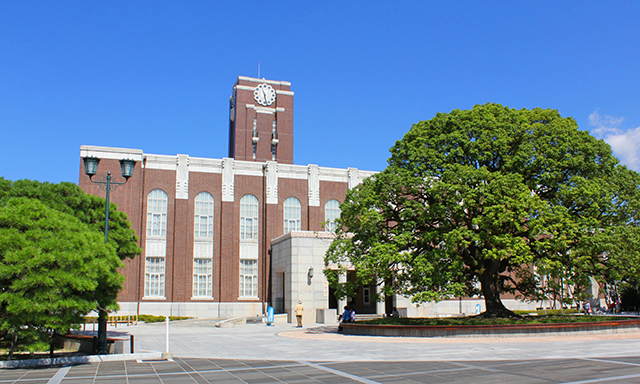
(256, 353)
(317, 342)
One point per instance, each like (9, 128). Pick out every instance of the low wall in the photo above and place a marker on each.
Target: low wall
(87, 344)
(509, 330)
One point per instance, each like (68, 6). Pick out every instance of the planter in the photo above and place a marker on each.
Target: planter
(507, 330)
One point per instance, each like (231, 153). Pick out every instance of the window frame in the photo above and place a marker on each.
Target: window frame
(330, 219)
(291, 215)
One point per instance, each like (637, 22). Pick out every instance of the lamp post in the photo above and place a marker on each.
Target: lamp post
(90, 169)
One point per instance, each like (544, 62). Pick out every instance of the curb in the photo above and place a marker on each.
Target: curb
(72, 360)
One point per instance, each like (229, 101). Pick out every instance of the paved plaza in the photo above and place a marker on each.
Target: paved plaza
(256, 353)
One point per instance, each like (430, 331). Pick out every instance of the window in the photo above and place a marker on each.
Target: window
(154, 276)
(203, 216)
(292, 212)
(249, 250)
(249, 278)
(203, 245)
(249, 218)
(202, 277)
(157, 213)
(366, 295)
(156, 244)
(331, 213)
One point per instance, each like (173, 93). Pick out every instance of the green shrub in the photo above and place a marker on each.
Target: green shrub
(540, 319)
(158, 319)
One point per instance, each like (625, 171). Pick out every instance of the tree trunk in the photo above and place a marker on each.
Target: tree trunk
(489, 285)
(14, 343)
(102, 332)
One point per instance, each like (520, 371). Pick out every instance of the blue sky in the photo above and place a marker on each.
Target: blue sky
(157, 75)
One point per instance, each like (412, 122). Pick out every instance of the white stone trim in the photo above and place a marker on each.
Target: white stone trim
(228, 167)
(354, 177)
(289, 171)
(182, 177)
(256, 80)
(266, 111)
(314, 185)
(167, 163)
(248, 298)
(278, 91)
(204, 165)
(111, 153)
(248, 168)
(271, 170)
(198, 309)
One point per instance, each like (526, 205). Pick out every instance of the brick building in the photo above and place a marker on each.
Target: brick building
(230, 236)
(206, 225)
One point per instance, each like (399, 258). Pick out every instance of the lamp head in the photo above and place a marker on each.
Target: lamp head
(127, 166)
(90, 165)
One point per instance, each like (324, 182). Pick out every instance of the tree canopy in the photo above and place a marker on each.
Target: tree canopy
(488, 201)
(54, 264)
(89, 209)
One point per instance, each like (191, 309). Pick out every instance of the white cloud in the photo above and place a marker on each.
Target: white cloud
(604, 124)
(624, 143)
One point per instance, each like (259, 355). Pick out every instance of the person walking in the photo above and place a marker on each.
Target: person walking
(299, 310)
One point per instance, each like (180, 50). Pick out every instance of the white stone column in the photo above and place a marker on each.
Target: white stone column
(342, 278)
(380, 305)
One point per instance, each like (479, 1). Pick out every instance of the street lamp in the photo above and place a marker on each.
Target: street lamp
(106, 184)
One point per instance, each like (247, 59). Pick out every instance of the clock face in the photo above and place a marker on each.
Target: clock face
(264, 94)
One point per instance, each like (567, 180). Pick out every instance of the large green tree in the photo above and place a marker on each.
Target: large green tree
(62, 209)
(488, 201)
(51, 266)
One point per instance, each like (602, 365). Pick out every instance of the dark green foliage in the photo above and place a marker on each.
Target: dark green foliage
(69, 198)
(54, 264)
(490, 201)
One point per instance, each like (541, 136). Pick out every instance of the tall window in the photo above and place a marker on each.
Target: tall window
(292, 213)
(203, 216)
(202, 277)
(249, 278)
(156, 244)
(154, 276)
(249, 218)
(157, 213)
(249, 247)
(203, 245)
(331, 213)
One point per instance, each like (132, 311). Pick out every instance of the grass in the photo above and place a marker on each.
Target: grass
(472, 320)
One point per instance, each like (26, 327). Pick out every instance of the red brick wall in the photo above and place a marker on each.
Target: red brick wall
(132, 198)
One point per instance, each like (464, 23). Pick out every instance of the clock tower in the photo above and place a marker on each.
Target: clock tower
(261, 120)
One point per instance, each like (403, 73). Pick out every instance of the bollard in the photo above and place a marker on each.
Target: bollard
(167, 354)
(131, 343)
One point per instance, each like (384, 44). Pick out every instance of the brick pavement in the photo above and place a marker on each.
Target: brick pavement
(261, 354)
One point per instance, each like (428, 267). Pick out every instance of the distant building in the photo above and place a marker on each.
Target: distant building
(231, 236)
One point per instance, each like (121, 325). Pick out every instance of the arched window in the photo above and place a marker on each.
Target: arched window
(331, 213)
(203, 245)
(203, 216)
(292, 215)
(157, 213)
(249, 218)
(156, 244)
